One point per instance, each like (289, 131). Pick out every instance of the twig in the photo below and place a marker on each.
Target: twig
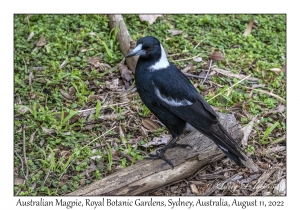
(98, 137)
(66, 169)
(207, 72)
(230, 74)
(186, 59)
(91, 109)
(228, 88)
(22, 164)
(199, 43)
(271, 94)
(192, 75)
(24, 152)
(39, 68)
(47, 176)
(25, 64)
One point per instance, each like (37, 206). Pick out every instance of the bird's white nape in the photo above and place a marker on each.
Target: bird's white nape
(172, 101)
(162, 62)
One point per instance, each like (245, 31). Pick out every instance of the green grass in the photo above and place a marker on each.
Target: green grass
(59, 147)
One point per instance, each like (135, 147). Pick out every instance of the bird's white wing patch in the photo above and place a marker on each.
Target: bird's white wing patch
(222, 148)
(162, 63)
(172, 101)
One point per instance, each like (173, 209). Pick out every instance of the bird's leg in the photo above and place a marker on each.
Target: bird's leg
(160, 153)
(173, 143)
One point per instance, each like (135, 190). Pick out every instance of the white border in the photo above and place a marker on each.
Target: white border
(8, 201)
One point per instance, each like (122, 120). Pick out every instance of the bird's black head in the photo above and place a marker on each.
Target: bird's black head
(146, 47)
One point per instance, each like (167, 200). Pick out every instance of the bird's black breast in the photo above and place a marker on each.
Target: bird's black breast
(146, 89)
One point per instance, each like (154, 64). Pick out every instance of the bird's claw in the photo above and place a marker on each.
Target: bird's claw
(160, 154)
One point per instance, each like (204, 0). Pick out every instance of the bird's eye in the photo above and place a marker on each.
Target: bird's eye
(149, 48)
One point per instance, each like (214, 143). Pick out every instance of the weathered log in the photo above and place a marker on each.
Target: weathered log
(147, 175)
(124, 39)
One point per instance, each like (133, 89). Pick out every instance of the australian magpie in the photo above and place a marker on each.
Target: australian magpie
(172, 98)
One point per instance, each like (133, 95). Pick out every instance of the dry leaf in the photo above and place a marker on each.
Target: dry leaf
(92, 34)
(194, 189)
(125, 74)
(163, 139)
(96, 63)
(32, 137)
(23, 110)
(87, 112)
(66, 95)
(280, 188)
(249, 28)
(83, 50)
(30, 36)
(280, 108)
(175, 32)
(96, 157)
(42, 41)
(149, 124)
(30, 78)
(68, 133)
(197, 59)
(121, 132)
(276, 70)
(48, 131)
(72, 90)
(188, 68)
(89, 127)
(113, 84)
(18, 181)
(149, 18)
(63, 64)
(216, 56)
(284, 68)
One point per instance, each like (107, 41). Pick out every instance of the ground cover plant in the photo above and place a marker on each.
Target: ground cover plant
(75, 122)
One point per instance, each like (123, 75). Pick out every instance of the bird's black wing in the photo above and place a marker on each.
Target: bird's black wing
(182, 99)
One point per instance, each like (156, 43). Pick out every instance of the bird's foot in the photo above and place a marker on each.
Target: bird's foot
(181, 145)
(160, 154)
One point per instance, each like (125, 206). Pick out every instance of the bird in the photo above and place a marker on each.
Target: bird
(173, 99)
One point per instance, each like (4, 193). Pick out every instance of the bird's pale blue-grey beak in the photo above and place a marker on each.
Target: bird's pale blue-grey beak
(136, 51)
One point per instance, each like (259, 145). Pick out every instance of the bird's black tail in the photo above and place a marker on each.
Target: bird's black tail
(226, 143)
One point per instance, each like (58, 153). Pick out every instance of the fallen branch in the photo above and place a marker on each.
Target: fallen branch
(123, 37)
(147, 175)
(230, 74)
